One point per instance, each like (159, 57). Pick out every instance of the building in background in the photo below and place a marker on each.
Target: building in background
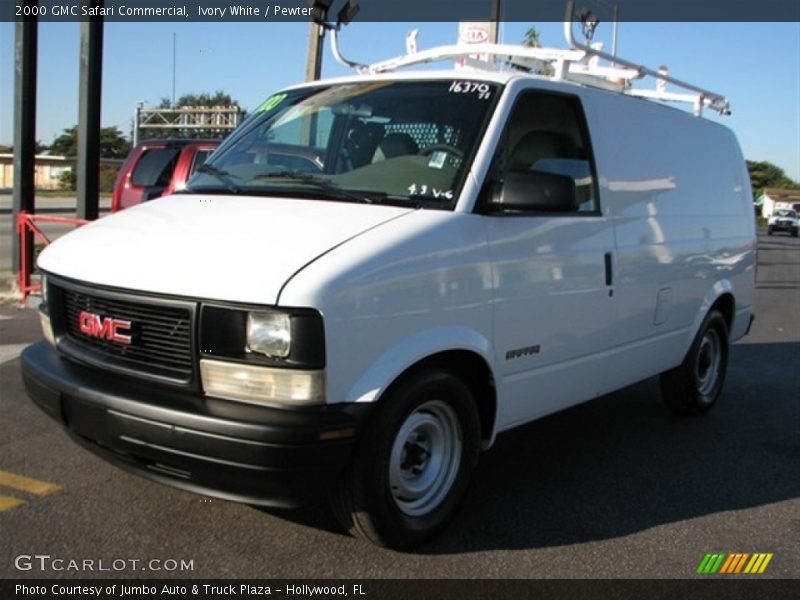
(51, 172)
(48, 175)
(775, 199)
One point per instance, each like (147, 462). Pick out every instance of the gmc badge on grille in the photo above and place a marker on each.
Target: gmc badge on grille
(104, 327)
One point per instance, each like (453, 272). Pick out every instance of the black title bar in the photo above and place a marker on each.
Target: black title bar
(734, 588)
(280, 11)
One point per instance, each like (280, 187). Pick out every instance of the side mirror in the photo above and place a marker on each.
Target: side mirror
(536, 191)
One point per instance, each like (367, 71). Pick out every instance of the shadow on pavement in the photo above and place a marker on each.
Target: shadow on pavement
(622, 464)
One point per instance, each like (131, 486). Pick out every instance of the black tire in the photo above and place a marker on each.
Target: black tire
(769, 230)
(794, 232)
(694, 387)
(393, 450)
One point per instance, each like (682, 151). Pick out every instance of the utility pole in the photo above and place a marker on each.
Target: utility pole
(316, 37)
(89, 88)
(494, 30)
(174, 63)
(616, 29)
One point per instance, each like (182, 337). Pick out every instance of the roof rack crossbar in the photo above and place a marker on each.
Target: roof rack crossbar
(506, 52)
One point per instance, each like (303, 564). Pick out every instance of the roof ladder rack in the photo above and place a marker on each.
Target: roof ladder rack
(580, 64)
(700, 97)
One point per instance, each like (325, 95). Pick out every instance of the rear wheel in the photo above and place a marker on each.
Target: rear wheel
(413, 464)
(694, 386)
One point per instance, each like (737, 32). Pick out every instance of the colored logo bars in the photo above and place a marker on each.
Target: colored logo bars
(740, 562)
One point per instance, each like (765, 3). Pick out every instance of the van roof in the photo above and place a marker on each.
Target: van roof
(499, 77)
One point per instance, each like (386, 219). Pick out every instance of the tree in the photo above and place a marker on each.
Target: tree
(218, 98)
(532, 40)
(764, 174)
(203, 100)
(112, 143)
(66, 144)
(107, 176)
(38, 148)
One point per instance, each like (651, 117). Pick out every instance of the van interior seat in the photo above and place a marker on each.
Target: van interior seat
(536, 145)
(395, 144)
(361, 143)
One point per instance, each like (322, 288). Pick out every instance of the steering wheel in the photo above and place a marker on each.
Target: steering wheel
(442, 148)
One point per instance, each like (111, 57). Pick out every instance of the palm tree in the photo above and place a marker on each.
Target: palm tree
(532, 41)
(532, 38)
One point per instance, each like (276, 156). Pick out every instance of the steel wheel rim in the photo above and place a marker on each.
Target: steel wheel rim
(426, 455)
(709, 360)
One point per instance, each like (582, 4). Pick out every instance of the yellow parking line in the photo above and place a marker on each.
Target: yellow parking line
(26, 484)
(9, 502)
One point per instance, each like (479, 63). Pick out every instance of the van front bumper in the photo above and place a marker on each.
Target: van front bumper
(257, 455)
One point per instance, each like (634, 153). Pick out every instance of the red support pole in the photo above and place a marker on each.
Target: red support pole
(24, 273)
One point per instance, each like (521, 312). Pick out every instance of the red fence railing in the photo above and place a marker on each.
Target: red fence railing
(26, 222)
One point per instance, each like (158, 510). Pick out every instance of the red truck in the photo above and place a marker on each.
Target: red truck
(157, 168)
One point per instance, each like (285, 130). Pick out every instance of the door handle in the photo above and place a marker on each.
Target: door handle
(609, 271)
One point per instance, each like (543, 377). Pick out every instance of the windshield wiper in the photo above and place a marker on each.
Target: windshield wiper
(317, 182)
(221, 174)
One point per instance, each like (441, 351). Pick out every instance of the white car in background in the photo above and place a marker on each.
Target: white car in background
(783, 220)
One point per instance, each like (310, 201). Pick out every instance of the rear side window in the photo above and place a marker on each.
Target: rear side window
(155, 167)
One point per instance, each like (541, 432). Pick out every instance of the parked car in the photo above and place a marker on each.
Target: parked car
(783, 220)
(156, 168)
(376, 275)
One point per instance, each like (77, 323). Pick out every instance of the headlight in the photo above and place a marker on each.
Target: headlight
(277, 337)
(270, 333)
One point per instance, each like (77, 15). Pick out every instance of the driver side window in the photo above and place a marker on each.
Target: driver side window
(547, 134)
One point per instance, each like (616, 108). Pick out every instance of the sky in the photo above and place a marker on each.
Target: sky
(756, 65)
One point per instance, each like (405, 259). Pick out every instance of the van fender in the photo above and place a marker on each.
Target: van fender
(410, 351)
(723, 286)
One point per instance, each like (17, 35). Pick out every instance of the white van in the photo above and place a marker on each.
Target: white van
(375, 275)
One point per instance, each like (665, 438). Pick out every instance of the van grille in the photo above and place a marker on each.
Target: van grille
(161, 335)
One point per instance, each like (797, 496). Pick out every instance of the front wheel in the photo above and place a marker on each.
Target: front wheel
(694, 387)
(413, 463)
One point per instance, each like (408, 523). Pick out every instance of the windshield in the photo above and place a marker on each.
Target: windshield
(786, 213)
(404, 143)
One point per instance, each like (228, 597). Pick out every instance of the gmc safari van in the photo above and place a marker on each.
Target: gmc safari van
(374, 276)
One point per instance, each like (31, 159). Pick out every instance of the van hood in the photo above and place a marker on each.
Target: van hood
(233, 248)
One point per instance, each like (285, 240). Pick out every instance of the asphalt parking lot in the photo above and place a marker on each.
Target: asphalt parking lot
(615, 488)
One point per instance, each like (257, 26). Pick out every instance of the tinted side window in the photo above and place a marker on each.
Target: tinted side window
(155, 167)
(547, 133)
(200, 158)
